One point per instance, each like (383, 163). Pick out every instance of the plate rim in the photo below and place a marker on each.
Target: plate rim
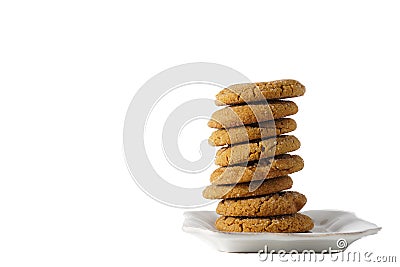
(366, 232)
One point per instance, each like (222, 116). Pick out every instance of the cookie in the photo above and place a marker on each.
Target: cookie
(251, 92)
(282, 203)
(238, 135)
(294, 223)
(268, 186)
(239, 154)
(249, 114)
(269, 168)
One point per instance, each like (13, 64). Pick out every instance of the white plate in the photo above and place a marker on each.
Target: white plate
(333, 229)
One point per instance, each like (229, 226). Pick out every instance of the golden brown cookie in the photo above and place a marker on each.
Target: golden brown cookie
(269, 168)
(294, 223)
(268, 186)
(238, 135)
(281, 203)
(249, 114)
(251, 92)
(253, 151)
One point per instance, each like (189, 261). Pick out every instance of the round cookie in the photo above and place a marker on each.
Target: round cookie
(294, 223)
(281, 203)
(269, 168)
(251, 92)
(266, 187)
(249, 114)
(244, 153)
(238, 135)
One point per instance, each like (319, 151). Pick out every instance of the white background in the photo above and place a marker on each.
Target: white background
(69, 69)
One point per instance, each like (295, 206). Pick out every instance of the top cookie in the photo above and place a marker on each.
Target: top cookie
(253, 92)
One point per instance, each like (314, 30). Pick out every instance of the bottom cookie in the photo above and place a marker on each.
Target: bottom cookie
(294, 223)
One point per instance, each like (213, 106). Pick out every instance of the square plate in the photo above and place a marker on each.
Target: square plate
(334, 229)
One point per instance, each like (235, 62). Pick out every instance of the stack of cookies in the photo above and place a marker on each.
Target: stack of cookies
(254, 164)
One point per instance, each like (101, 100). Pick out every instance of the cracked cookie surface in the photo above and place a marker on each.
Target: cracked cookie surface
(265, 169)
(238, 135)
(295, 223)
(253, 151)
(265, 187)
(281, 203)
(250, 92)
(249, 114)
